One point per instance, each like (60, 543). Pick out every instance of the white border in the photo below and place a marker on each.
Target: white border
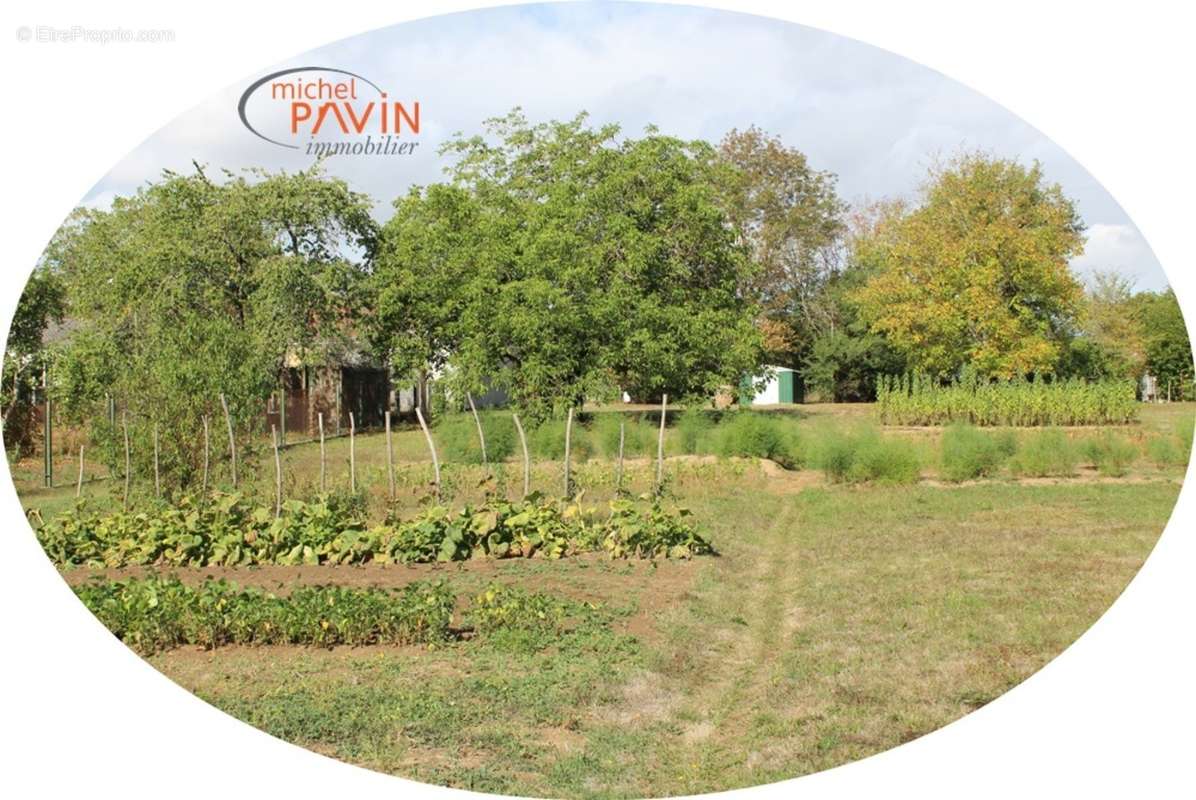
(1109, 83)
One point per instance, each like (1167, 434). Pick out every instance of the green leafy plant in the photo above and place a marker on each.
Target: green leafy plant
(226, 530)
(153, 613)
(652, 532)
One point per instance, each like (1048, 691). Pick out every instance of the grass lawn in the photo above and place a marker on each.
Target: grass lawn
(834, 624)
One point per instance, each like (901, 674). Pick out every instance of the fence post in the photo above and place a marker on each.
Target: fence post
(277, 474)
(157, 478)
(481, 435)
(352, 453)
(124, 422)
(390, 459)
(664, 402)
(527, 464)
(619, 470)
(282, 410)
(323, 454)
(232, 442)
(432, 449)
(48, 430)
(568, 438)
(79, 483)
(207, 454)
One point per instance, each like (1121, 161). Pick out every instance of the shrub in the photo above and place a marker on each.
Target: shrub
(862, 456)
(1045, 453)
(1174, 449)
(886, 461)
(694, 429)
(457, 436)
(547, 441)
(637, 437)
(758, 435)
(1112, 455)
(968, 453)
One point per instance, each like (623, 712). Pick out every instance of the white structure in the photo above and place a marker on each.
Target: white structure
(779, 389)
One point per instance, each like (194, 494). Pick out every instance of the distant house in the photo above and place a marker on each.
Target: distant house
(783, 386)
(350, 382)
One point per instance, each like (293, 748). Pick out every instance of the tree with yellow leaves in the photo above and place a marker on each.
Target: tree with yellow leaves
(977, 273)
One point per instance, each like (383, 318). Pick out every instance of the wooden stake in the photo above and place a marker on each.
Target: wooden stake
(568, 442)
(323, 456)
(481, 435)
(277, 474)
(390, 459)
(527, 462)
(48, 431)
(232, 442)
(431, 449)
(207, 454)
(79, 483)
(124, 422)
(664, 402)
(352, 453)
(157, 477)
(619, 470)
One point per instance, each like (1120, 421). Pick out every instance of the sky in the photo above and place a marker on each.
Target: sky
(874, 119)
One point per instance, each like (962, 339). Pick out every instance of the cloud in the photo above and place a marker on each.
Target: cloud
(1120, 248)
(873, 118)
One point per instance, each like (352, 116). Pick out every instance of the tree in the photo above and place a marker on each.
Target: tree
(605, 262)
(846, 359)
(425, 277)
(791, 219)
(41, 304)
(1109, 339)
(193, 288)
(1168, 348)
(977, 274)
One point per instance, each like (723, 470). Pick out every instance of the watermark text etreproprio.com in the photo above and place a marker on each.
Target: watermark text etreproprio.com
(76, 34)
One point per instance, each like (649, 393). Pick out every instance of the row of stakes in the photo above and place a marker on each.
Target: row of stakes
(390, 464)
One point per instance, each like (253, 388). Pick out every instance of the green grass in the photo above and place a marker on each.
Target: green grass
(836, 623)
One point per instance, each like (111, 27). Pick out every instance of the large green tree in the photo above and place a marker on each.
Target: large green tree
(196, 287)
(426, 276)
(977, 273)
(1168, 350)
(595, 262)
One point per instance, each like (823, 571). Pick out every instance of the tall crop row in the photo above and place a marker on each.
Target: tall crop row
(920, 400)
